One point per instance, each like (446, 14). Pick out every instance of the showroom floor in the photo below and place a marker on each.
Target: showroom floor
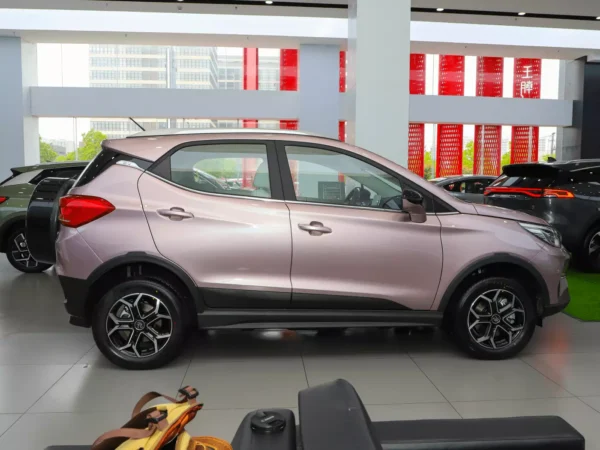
(55, 387)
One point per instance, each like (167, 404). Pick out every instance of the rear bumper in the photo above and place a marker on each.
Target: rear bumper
(76, 292)
(563, 299)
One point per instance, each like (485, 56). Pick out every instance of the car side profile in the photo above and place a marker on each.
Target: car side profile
(469, 188)
(15, 193)
(156, 238)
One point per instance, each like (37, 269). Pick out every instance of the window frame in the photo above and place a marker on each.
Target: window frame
(290, 193)
(162, 167)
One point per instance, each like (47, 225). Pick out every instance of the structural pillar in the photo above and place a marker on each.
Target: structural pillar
(377, 83)
(19, 130)
(571, 87)
(319, 80)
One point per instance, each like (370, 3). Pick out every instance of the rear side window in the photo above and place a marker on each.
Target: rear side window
(22, 178)
(105, 159)
(67, 172)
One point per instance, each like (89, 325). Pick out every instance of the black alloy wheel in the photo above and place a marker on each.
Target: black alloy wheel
(19, 256)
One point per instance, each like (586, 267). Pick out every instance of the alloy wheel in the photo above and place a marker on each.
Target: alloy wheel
(139, 325)
(496, 319)
(20, 252)
(594, 247)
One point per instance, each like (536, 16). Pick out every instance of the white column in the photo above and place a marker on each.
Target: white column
(378, 76)
(570, 87)
(318, 85)
(18, 129)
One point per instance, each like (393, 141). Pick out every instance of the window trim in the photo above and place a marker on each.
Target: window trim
(288, 184)
(162, 166)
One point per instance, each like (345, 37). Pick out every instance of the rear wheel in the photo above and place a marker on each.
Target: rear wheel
(139, 324)
(494, 319)
(590, 254)
(18, 255)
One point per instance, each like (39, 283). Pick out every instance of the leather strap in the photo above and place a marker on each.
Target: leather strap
(191, 399)
(128, 433)
(148, 398)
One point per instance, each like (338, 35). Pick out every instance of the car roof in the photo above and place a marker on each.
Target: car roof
(567, 166)
(151, 145)
(51, 165)
(201, 131)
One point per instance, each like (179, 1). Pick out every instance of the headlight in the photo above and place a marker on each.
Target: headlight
(547, 234)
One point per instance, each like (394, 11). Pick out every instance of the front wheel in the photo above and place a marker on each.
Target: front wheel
(139, 324)
(494, 319)
(19, 256)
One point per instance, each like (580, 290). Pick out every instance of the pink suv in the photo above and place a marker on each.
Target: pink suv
(163, 233)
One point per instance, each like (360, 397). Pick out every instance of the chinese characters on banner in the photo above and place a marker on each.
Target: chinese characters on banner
(416, 131)
(342, 124)
(488, 138)
(450, 136)
(527, 84)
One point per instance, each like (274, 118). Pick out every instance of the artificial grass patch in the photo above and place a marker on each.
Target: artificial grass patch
(585, 295)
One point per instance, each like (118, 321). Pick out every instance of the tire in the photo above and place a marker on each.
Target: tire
(18, 255)
(589, 255)
(146, 354)
(492, 336)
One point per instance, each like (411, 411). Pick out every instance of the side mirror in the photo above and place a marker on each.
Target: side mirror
(412, 203)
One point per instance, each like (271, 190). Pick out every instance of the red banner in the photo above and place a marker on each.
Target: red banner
(450, 137)
(488, 138)
(527, 84)
(416, 131)
(342, 131)
(251, 69)
(288, 65)
(342, 71)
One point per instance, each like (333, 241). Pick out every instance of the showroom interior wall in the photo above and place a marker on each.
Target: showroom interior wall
(18, 129)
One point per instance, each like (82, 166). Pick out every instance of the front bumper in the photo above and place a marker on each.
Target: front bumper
(76, 294)
(563, 299)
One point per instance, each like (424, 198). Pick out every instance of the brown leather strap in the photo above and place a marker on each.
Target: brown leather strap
(148, 398)
(128, 433)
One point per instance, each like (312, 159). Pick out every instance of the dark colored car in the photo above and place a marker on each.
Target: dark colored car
(565, 194)
(469, 188)
(15, 193)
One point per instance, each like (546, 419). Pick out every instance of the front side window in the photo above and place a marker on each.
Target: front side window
(324, 176)
(231, 169)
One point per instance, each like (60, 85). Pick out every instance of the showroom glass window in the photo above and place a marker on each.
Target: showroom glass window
(324, 176)
(229, 169)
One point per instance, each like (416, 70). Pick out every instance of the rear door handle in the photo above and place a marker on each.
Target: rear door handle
(315, 228)
(175, 213)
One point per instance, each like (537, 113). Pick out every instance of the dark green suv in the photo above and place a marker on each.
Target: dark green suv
(15, 193)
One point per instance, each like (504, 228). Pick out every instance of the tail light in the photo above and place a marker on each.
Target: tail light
(77, 210)
(3, 199)
(530, 192)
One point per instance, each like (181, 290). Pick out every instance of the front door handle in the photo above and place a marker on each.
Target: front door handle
(315, 228)
(175, 213)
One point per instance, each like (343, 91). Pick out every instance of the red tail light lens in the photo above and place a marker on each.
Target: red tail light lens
(77, 210)
(530, 192)
(3, 199)
(558, 193)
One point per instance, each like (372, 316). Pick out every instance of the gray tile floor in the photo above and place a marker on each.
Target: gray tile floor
(56, 388)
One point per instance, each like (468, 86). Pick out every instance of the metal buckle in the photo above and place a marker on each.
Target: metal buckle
(156, 419)
(188, 392)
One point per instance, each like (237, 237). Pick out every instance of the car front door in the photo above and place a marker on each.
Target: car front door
(351, 248)
(217, 210)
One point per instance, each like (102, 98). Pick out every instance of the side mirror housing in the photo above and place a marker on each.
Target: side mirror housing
(412, 203)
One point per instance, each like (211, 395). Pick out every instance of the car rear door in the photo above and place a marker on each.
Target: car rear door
(234, 241)
(351, 250)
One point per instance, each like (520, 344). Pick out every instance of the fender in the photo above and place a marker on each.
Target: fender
(496, 258)
(143, 257)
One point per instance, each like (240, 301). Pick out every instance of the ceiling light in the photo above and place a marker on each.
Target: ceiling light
(522, 13)
(439, 9)
(597, 18)
(269, 2)
(179, 0)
